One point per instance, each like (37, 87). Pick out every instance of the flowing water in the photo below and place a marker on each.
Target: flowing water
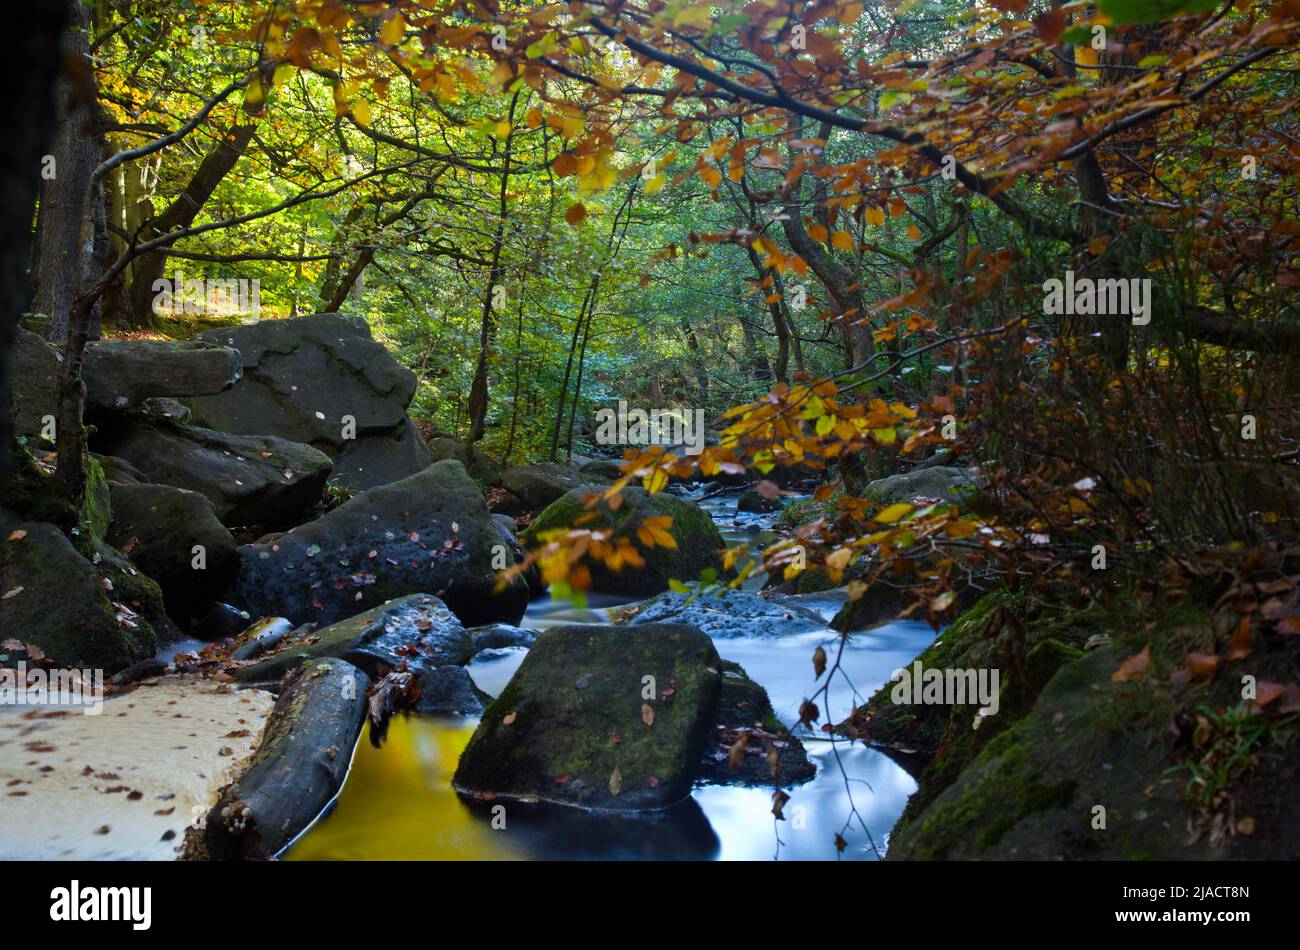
(398, 802)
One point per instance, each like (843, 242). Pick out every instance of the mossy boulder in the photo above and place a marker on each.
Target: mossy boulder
(81, 611)
(1031, 792)
(175, 537)
(417, 630)
(576, 726)
(120, 374)
(699, 545)
(945, 483)
(540, 484)
(745, 715)
(250, 480)
(484, 469)
(35, 386)
(428, 533)
(993, 634)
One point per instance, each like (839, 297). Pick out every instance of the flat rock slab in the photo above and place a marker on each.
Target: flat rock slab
(249, 479)
(125, 784)
(579, 723)
(418, 630)
(428, 533)
(120, 374)
(299, 766)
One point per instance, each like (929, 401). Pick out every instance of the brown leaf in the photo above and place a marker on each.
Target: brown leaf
(1202, 665)
(17, 534)
(647, 715)
(615, 782)
(819, 662)
(737, 757)
(1134, 668)
(779, 798)
(508, 719)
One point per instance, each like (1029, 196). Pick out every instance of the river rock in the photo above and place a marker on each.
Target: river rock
(298, 767)
(500, 636)
(572, 725)
(699, 545)
(305, 378)
(750, 500)
(249, 479)
(538, 485)
(77, 613)
(120, 374)
(944, 482)
(417, 630)
(484, 469)
(35, 388)
(727, 614)
(429, 532)
(449, 691)
(159, 528)
(745, 716)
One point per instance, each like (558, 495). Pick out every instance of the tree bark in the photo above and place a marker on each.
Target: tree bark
(65, 223)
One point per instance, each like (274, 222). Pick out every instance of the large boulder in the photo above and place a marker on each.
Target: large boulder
(77, 613)
(575, 724)
(35, 375)
(428, 532)
(538, 485)
(305, 379)
(417, 630)
(484, 469)
(175, 537)
(698, 544)
(249, 479)
(727, 614)
(120, 374)
(943, 482)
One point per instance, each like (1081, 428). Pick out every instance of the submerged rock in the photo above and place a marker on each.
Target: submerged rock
(500, 636)
(248, 479)
(298, 767)
(417, 630)
(174, 536)
(727, 614)
(599, 716)
(698, 548)
(120, 374)
(430, 532)
(322, 380)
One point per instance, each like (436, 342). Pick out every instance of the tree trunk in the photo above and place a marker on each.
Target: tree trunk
(65, 226)
(181, 214)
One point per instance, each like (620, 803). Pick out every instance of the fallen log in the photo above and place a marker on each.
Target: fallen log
(298, 768)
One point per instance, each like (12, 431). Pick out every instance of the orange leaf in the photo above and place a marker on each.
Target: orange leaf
(1134, 668)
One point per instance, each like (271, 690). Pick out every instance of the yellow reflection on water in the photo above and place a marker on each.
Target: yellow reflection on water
(398, 803)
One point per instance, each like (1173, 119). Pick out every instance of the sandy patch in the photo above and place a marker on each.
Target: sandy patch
(127, 783)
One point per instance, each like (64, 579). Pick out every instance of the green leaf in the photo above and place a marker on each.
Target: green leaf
(1152, 11)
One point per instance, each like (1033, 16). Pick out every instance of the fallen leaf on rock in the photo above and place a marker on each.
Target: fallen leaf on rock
(17, 534)
(615, 781)
(1134, 668)
(647, 715)
(508, 719)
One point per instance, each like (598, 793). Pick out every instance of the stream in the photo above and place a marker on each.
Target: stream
(398, 803)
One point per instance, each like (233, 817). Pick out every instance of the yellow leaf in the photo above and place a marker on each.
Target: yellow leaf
(393, 31)
(842, 241)
(875, 216)
(892, 513)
